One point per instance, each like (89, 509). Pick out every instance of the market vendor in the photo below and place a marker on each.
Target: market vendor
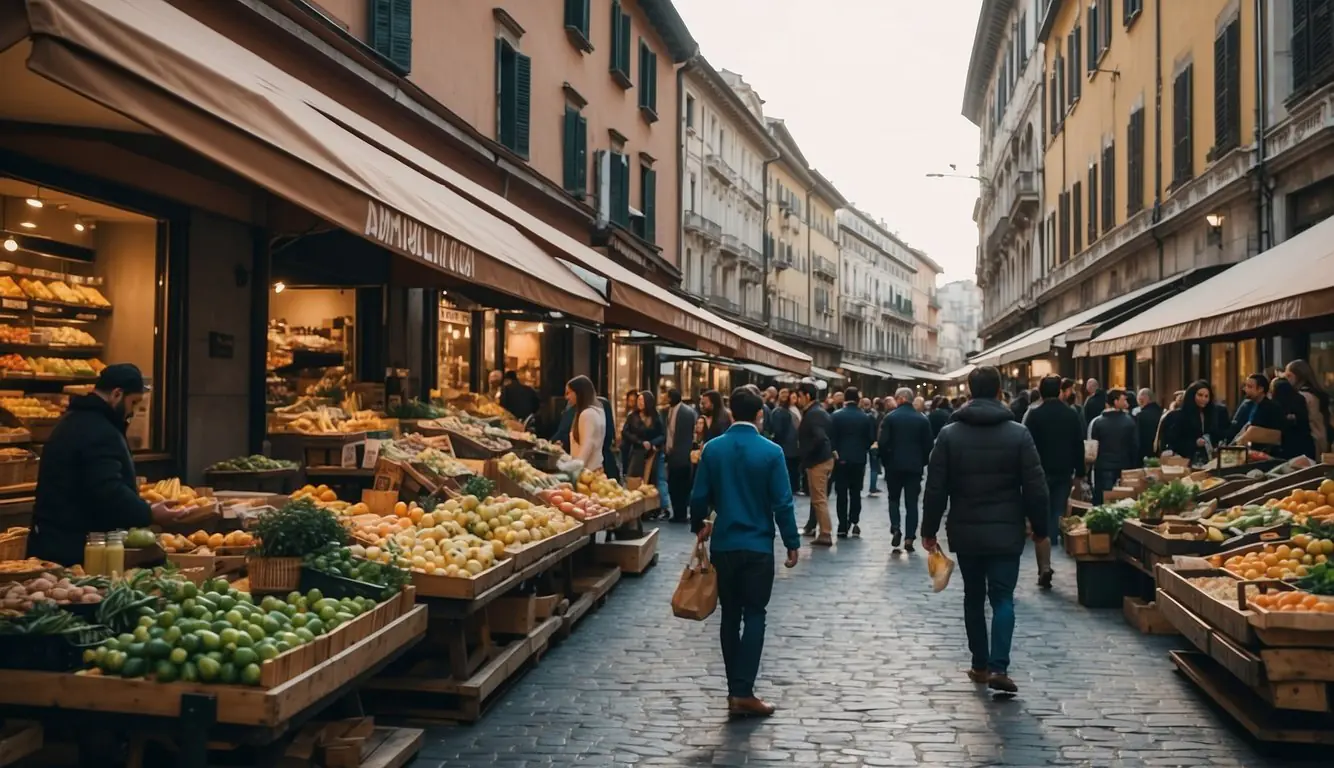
(86, 480)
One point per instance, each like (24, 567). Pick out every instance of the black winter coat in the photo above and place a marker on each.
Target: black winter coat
(1188, 427)
(1059, 439)
(852, 431)
(85, 483)
(813, 436)
(905, 441)
(1118, 441)
(986, 469)
(1094, 406)
(939, 417)
(1147, 422)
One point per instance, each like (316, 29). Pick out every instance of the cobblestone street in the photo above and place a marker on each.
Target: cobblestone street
(866, 666)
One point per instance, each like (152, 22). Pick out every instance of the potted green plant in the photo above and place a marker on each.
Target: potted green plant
(285, 536)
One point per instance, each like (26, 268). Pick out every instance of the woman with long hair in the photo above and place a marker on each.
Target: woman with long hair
(716, 417)
(588, 431)
(1296, 429)
(629, 427)
(1167, 423)
(1300, 375)
(1197, 422)
(649, 436)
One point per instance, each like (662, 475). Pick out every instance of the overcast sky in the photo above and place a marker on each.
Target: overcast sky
(871, 90)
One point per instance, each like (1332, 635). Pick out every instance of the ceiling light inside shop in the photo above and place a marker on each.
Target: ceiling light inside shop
(27, 225)
(467, 333)
(79, 226)
(35, 202)
(11, 244)
(541, 328)
(513, 325)
(456, 335)
(279, 287)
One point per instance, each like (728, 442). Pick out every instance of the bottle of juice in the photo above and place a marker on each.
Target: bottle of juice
(115, 553)
(95, 554)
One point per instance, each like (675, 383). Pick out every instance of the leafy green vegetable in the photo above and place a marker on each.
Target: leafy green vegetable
(1319, 580)
(414, 409)
(479, 486)
(1166, 499)
(297, 529)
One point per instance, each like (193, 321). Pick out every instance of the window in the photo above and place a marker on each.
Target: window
(648, 81)
(690, 111)
(646, 227)
(1055, 111)
(391, 31)
(1130, 10)
(574, 139)
(1093, 203)
(618, 193)
(1227, 89)
(1183, 166)
(1077, 218)
(1065, 227)
(620, 45)
(1108, 188)
(514, 85)
(1023, 38)
(1074, 44)
(1135, 163)
(1094, 38)
(576, 23)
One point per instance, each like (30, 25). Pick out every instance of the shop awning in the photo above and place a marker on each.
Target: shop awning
(1041, 342)
(960, 374)
(992, 356)
(679, 353)
(1294, 280)
(865, 371)
(827, 375)
(158, 66)
(764, 370)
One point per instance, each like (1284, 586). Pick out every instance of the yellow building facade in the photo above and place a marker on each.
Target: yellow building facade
(1149, 117)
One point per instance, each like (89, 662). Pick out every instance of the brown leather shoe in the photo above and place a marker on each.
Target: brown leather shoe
(823, 540)
(748, 707)
(1002, 683)
(979, 676)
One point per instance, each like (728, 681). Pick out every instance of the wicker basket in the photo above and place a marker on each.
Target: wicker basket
(14, 546)
(12, 470)
(274, 574)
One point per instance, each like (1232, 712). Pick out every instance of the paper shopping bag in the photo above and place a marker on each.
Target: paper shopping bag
(939, 566)
(696, 595)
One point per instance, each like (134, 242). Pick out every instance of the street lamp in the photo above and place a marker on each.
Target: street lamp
(984, 181)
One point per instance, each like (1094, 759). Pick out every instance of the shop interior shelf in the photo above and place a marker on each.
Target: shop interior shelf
(50, 350)
(52, 309)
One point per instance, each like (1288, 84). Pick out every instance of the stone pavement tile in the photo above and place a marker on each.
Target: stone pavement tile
(866, 665)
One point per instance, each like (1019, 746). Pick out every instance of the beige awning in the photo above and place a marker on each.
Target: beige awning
(992, 356)
(1294, 280)
(158, 66)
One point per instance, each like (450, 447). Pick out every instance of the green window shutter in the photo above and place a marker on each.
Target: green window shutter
(570, 155)
(648, 76)
(615, 35)
(581, 150)
(382, 20)
(625, 44)
(523, 92)
(391, 31)
(505, 105)
(576, 15)
(648, 179)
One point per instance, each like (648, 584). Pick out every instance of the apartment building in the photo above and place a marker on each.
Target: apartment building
(876, 277)
(925, 349)
(1003, 97)
(803, 252)
(725, 147)
(960, 322)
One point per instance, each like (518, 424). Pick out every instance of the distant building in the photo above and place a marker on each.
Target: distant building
(960, 322)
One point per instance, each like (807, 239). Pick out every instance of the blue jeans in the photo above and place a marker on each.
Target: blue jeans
(745, 583)
(873, 458)
(660, 474)
(993, 577)
(1059, 492)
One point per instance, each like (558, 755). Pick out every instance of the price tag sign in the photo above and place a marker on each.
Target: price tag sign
(349, 459)
(19, 304)
(45, 310)
(372, 454)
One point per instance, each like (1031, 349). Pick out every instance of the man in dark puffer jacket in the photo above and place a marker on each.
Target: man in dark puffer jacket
(986, 468)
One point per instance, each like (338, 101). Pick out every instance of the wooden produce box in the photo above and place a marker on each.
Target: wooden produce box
(456, 588)
(467, 448)
(632, 556)
(1185, 621)
(1146, 617)
(1154, 542)
(210, 565)
(601, 522)
(512, 615)
(545, 605)
(303, 658)
(1226, 617)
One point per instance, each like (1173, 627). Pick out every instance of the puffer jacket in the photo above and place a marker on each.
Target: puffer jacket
(986, 469)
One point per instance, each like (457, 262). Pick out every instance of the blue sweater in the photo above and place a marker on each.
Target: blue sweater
(743, 476)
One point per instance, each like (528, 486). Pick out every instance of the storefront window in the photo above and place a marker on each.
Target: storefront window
(455, 348)
(523, 351)
(311, 337)
(1248, 360)
(1223, 372)
(80, 288)
(627, 366)
(1144, 369)
(1116, 372)
(722, 379)
(1322, 357)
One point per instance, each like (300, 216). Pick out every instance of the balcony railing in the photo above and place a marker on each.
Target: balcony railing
(900, 309)
(857, 310)
(752, 257)
(824, 267)
(828, 337)
(781, 259)
(1023, 194)
(725, 304)
(731, 244)
(933, 300)
(697, 223)
(751, 193)
(790, 327)
(714, 162)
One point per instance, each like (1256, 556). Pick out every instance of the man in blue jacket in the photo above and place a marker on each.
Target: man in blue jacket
(905, 447)
(742, 475)
(851, 434)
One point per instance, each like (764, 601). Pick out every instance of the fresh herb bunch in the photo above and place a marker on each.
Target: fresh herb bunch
(297, 529)
(337, 560)
(1319, 580)
(414, 409)
(49, 619)
(479, 486)
(1166, 499)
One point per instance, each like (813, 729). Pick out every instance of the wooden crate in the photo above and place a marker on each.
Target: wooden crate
(19, 739)
(544, 606)
(1186, 623)
(460, 588)
(1226, 617)
(1100, 543)
(512, 615)
(1146, 617)
(632, 556)
(1076, 544)
(1260, 719)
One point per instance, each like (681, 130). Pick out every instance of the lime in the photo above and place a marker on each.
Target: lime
(292, 597)
(229, 635)
(234, 617)
(210, 605)
(283, 646)
(133, 668)
(210, 641)
(90, 655)
(271, 626)
(256, 631)
(300, 619)
(314, 595)
(189, 672)
(136, 650)
(244, 640)
(305, 634)
(157, 648)
(179, 656)
(327, 612)
(208, 669)
(113, 644)
(165, 672)
(266, 651)
(156, 632)
(124, 639)
(227, 673)
(216, 656)
(244, 656)
(226, 602)
(219, 586)
(344, 617)
(147, 621)
(250, 674)
(191, 643)
(188, 590)
(290, 638)
(166, 619)
(219, 625)
(172, 634)
(315, 625)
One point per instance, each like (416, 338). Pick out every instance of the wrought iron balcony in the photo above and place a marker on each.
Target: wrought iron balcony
(781, 259)
(1023, 196)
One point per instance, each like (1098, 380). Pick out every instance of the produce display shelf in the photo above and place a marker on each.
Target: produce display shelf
(456, 608)
(258, 474)
(29, 376)
(57, 310)
(1261, 720)
(50, 350)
